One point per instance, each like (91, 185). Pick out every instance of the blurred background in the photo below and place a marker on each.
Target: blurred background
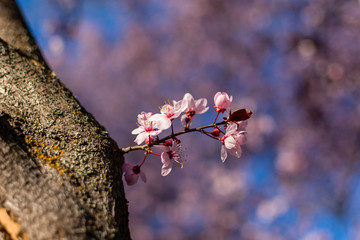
(295, 64)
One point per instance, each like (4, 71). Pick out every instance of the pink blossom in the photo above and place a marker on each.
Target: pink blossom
(132, 172)
(168, 113)
(192, 107)
(172, 111)
(232, 140)
(149, 125)
(167, 155)
(242, 125)
(222, 101)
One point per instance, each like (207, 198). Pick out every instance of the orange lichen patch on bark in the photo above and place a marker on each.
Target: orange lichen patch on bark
(51, 156)
(37, 64)
(40, 66)
(11, 227)
(75, 140)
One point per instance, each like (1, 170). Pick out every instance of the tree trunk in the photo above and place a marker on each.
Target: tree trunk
(60, 172)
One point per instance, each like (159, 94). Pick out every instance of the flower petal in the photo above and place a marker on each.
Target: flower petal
(242, 125)
(141, 138)
(155, 132)
(188, 101)
(231, 128)
(183, 120)
(241, 138)
(176, 146)
(200, 106)
(138, 130)
(230, 142)
(143, 176)
(236, 151)
(178, 108)
(161, 121)
(223, 153)
(126, 167)
(216, 97)
(165, 158)
(165, 170)
(131, 178)
(163, 148)
(143, 116)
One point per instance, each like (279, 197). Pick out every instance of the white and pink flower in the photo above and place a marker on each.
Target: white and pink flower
(149, 125)
(132, 172)
(172, 111)
(222, 101)
(232, 140)
(191, 107)
(168, 113)
(168, 155)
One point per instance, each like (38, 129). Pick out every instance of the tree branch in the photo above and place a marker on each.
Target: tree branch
(148, 146)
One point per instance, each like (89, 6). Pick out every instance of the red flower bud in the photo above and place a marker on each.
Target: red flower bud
(168, 143)
(216, 132)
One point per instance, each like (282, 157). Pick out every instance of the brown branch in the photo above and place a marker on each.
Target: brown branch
(146, 147)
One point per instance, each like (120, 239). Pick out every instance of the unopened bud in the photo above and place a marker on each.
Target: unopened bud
(168, 143)
(216, 132)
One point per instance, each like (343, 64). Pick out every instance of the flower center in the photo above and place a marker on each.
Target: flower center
(190, 113)
(136, 169)
(169, 115)
(171, 154)
(148, 126)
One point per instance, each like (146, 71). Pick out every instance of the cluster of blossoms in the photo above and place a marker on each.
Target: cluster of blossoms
(231, 135)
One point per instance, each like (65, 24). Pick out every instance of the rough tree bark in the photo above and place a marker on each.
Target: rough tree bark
(60, 172)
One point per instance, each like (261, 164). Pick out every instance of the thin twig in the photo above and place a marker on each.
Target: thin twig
(147, 146)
